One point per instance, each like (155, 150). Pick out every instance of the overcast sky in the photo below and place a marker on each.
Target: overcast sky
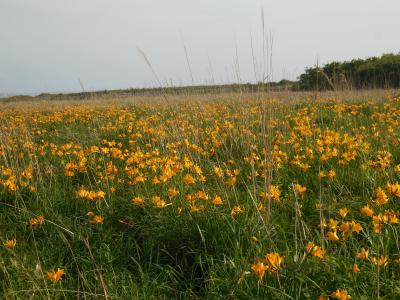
(48, 45)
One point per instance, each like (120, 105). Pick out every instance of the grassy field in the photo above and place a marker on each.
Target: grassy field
(235, 196)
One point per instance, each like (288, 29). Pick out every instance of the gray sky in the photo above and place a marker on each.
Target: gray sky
(46, 45)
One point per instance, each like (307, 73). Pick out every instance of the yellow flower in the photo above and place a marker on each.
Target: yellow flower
(309, 247)
(217, 200)
(137, 201)
(393, 189)
(10, 244)
(391, 216)
(274, 261)
(355, 268)
(236, 210)
(231, 181)
(340, 295)
(188, 179)
(82, 193)
(254, 239)
(331, 174)
(343, 212)
(155, 180)
(367, 211)
(345, 228)
(201, 195)
(378, 222)
(97, 219)
(363, 254)
(332, 236)
(100, 195)
(37, 221)
(299, 190)
(315, 251)
(218, 171)
(356, 227)
(172, 192)
(55, 276)
(259, 269)
(333, 224)
(318, 252)
(159, 202)
(380, 197)
(194, 208)
(274, 193)
(69, 169)
(381, 261)
(90, 195)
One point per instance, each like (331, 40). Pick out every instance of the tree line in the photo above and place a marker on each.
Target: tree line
(370, 73)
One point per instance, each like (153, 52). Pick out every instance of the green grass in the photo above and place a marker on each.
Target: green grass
(147, 252)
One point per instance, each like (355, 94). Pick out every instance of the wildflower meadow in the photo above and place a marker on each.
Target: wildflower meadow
(215, 197)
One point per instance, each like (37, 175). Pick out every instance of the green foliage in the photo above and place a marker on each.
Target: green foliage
(174, 252)
(374, 72)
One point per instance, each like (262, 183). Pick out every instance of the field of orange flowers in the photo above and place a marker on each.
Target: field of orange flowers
(243, 199)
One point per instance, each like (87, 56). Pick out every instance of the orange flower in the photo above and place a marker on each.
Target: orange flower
(218, 171)
(332, 236)
(37, 221)
(194, 208)
(299, 190)
(10, 244)
(172, 192)
(274, 261)
(188, 179)
(217, 200)
(380, 197)
(318, 252)
(367, 211)
(137, 201)
(159, 202)
(231, 181)
(309, 247)
(97, 219)
(340, 295)
(259, 269)
(343, 212)
(381, 261)
(378, 222)
(236, 210)
(55, 276)
(356, 269)
(333, 224)
(391, 217)
(356, 227)
(363, 254)
(331, 174)
(393, 189)
(273, 194)
(345, 227)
